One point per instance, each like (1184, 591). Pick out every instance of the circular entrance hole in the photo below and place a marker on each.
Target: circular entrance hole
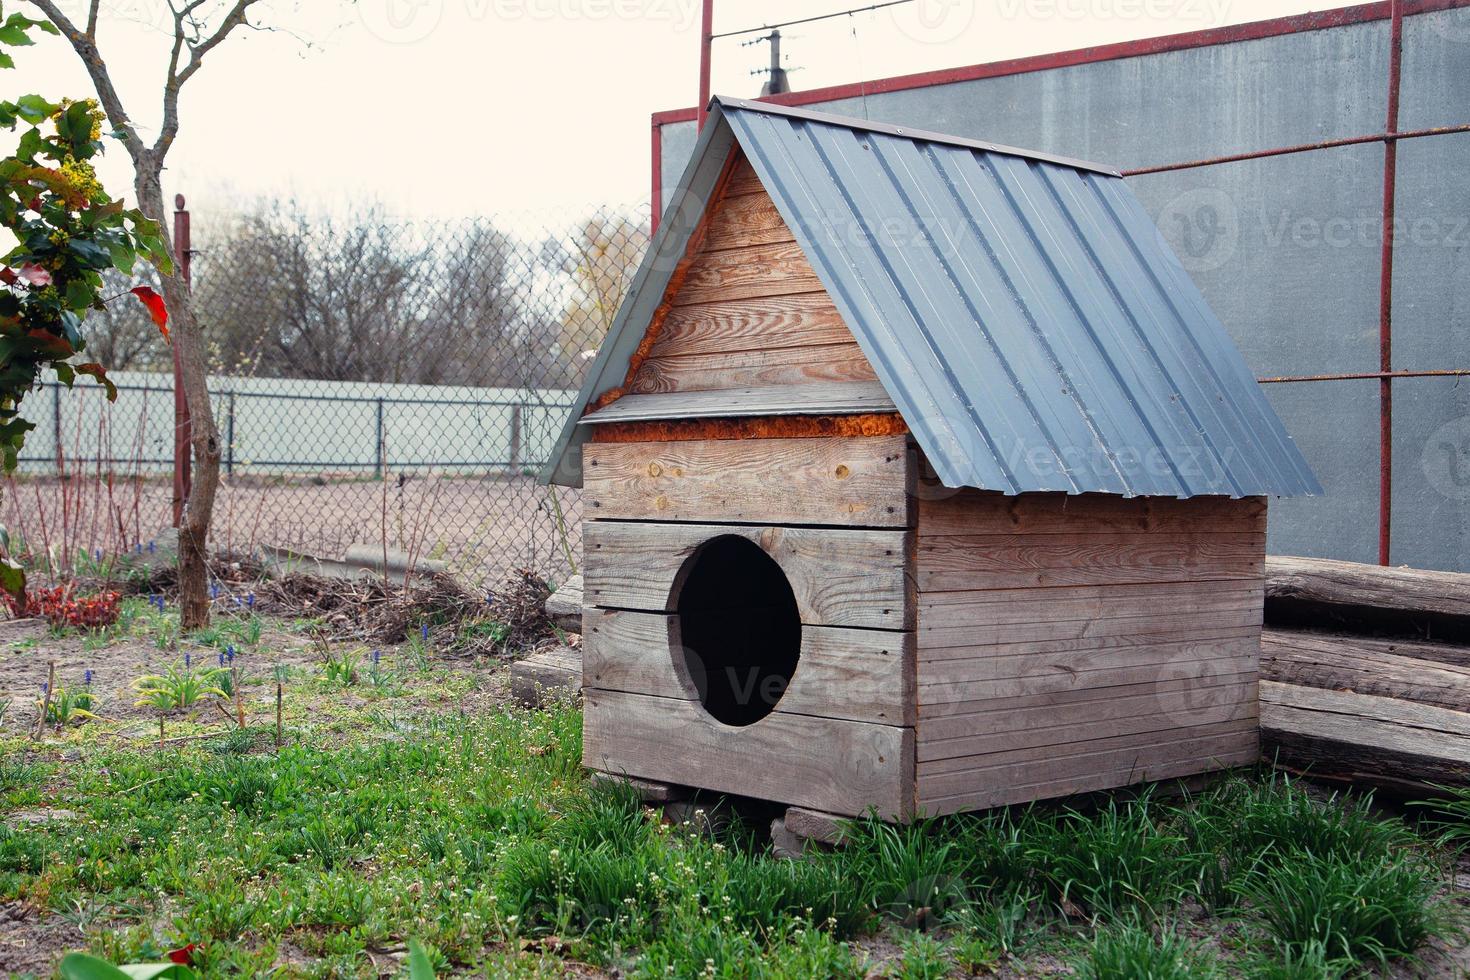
(739, 629)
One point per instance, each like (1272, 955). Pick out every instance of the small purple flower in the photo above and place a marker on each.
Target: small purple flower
(424, 632)
(222, 660)
(45, 687)
(87, 677)
(138, 547)
(98, 554)
(377, 655)
(250, 600)
(152, 547)
(230, 652)
(188, 661)
(214, 590)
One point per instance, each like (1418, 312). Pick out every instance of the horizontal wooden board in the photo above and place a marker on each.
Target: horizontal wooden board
(1227, 705)
(861, 675)
(753, 368)
(1001, 607)
(1034, 660)
(825, 398)
(743, 179)
(1327, 583)
(774, 269)
(986, 795)
(799, 320)
(1341, 663)
(937, 757)
(1403, 726)
(1203, 659)
(828, 764)
(840, 577)
(861, 482)
(1184, 696)
(977, 650)
(1084, 758)
(1205, 615)
(985, 512)
(958, 562)
(745, 219)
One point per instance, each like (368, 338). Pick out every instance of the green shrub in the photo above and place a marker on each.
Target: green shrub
(1131, 951)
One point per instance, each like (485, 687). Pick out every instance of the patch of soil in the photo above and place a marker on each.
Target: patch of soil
(31, 943)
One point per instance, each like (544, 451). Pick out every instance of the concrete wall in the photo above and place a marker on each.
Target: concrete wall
(1286, 249)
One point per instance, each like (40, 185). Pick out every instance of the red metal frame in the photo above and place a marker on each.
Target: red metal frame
(1392, 10)
(183, 473)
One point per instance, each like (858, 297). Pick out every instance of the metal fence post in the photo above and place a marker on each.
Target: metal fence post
(230, 436)
(56, 423)
(382, 449)
(515, 439)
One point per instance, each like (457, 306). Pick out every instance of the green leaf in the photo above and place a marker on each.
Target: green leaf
(6, 61)
(14, 35)
(419, 967)
(92, 255)
(65, 373)
(13, 580)
(80, 966)
(32, 108)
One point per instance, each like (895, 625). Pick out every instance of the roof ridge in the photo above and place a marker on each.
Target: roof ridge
(728, 103)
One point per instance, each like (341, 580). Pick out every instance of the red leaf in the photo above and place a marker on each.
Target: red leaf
(184, 956)
(35, 275)
(156, 309)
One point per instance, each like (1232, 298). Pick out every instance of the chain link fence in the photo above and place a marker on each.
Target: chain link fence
(375, 381)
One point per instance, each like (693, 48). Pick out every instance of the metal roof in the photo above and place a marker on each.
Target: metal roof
(1023, 312)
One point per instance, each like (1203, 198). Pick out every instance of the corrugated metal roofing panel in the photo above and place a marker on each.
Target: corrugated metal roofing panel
(1028, 319)
(1021, 310)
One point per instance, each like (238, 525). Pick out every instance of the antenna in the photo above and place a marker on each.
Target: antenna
(777, 81)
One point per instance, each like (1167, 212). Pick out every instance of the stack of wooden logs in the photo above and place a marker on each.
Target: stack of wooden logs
(1365, 673)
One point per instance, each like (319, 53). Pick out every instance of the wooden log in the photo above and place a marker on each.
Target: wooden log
(1342, 594)
(860, 482)
(564, 606)
(1364, 665)
(1364, 738)
(545, 675)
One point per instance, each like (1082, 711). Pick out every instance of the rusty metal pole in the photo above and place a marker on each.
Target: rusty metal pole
(183, 481)
(706, 46)
(1385, 287)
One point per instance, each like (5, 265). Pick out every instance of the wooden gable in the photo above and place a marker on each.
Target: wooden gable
(748, 310)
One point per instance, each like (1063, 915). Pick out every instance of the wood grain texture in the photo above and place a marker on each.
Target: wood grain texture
(840, 577)
(861, 482)
(1340, 663)
(1455, 654)
(827, 764)
(1365, 738)
(746, 219)
(1346, 583)
(753, 368)
(799, 320)
(979, 512)
(743, 179)
(981, 793)
(860, 675)
(773, 269)
(1070, 644)
(958, 562)
(1086, 758)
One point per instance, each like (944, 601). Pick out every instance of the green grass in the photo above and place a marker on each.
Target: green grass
(480, 836)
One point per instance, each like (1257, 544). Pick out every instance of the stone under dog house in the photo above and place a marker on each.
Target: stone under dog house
(918, 476)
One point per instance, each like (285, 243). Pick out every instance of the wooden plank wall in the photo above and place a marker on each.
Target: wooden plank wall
(750, 311)
(1071, 644)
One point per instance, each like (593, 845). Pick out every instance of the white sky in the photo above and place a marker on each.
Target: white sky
(477, 107)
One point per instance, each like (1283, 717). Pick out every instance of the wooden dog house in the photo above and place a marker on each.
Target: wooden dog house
(918, 476)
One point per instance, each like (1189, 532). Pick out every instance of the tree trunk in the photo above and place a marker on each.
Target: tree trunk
(188, 340)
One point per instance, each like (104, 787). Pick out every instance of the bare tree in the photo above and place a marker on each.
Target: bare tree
(198, 27)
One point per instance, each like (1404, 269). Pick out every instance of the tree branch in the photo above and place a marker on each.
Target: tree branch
(86, 49)
(177, 77)
(92, 20)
